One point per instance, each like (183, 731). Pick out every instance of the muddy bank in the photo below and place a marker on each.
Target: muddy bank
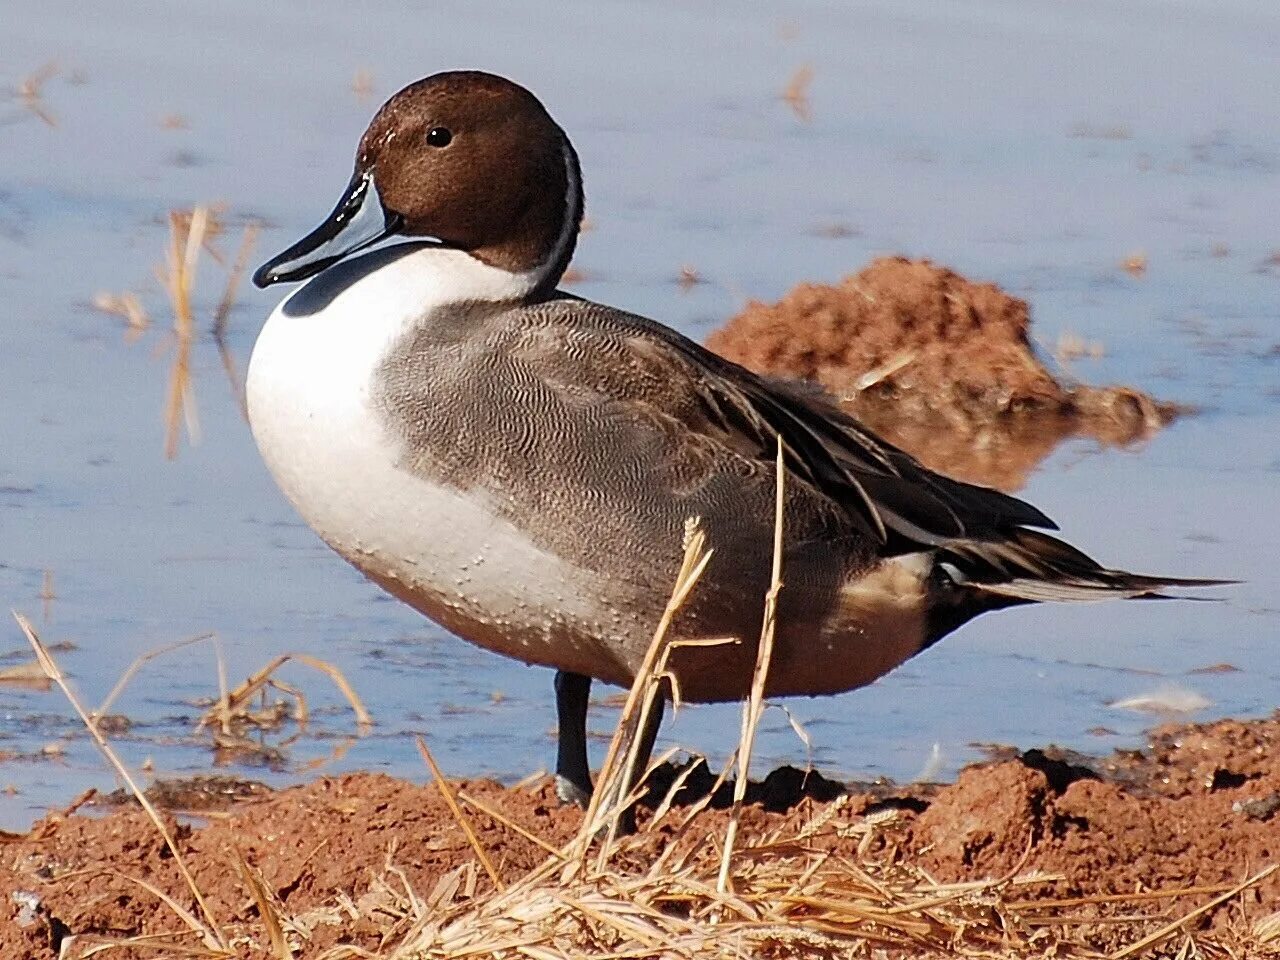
(939, 365)
(1198, 808)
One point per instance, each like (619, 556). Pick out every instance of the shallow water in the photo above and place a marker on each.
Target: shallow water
(1025, 143)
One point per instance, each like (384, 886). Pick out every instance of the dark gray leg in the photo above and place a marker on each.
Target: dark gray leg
(573, 771)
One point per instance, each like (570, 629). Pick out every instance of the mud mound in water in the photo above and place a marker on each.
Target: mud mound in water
(1098, 853)
(937, 364)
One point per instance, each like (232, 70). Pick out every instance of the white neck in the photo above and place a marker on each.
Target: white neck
(407, 278)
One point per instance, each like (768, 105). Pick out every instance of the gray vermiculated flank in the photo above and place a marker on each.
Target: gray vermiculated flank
(580, 416)
(589, 432)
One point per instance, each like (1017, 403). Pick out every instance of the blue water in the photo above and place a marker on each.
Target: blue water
(1033, 144)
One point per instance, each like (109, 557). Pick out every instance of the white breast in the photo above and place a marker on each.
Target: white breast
(308, 391)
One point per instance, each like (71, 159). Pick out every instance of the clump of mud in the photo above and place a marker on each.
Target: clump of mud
(937, 364)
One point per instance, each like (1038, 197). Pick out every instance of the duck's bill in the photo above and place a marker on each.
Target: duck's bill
(358, 221)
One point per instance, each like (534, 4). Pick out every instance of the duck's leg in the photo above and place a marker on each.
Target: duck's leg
(573, 771)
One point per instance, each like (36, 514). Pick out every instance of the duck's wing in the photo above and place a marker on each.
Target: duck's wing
(662, 383)
(885, 492)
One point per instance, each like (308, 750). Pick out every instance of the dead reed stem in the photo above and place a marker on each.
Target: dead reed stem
(185, 241)
(236, 700)
(265, 903)
(446, 791)
(510, 824)
(223, 311)
(608, 801)
(1171, 928)
(209, 931)
(753, 709)
(127, 306)
(138, 663)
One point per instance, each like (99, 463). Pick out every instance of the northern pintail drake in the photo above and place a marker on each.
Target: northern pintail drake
(518, 463)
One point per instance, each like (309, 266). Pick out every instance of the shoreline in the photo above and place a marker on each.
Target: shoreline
(1198, 809)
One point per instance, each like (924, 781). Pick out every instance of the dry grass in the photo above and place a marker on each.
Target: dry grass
(222, 314)
(186, 238)
(193, 233)
(125, 305)
(753, 709)
(262, 704)
(796, 93)
(207, 929)
(30, 92)
(238, 267)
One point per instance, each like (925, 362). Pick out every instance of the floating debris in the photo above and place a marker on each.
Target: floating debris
(362, 84)
(29, 675)
(1135, 264)
(796, 93)
(198, 794)
(30, 92)
(688, 278)
(1072, 346)
(1168, 699)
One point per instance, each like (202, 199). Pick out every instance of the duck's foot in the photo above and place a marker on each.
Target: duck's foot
(569, 793)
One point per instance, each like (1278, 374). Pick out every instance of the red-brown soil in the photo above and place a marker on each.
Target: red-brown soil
(1197, 808)
(937, 364)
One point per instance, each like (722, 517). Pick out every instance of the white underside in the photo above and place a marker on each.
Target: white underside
(308, 390)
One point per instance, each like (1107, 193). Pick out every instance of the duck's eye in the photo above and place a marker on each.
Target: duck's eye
(439, 137)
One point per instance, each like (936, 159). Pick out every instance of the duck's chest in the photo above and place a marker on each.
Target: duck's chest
(311, 391)
(307, 391)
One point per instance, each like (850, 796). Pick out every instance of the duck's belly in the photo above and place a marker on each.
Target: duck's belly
(443, 551)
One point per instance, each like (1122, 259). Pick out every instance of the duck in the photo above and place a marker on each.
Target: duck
(519, 464)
